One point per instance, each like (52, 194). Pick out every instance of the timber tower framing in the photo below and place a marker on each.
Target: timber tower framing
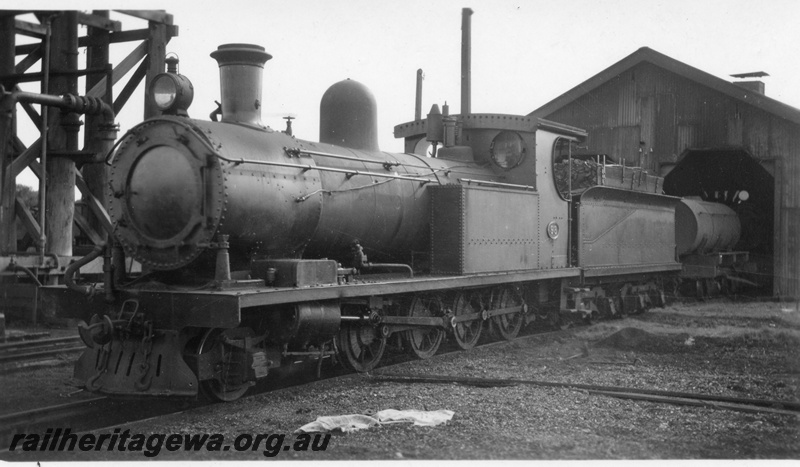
(74, 130)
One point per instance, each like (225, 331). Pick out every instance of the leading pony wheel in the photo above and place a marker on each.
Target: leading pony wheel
(361, 347)
(219, 389)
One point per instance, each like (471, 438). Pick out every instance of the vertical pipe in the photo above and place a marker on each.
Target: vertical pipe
(8, 185)
(43, 139)
(418, 100)
(466, 61)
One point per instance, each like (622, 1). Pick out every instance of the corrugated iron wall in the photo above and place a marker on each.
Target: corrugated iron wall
(649, 116)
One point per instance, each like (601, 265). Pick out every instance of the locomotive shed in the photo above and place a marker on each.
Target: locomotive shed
(738, 350)
(709, 138)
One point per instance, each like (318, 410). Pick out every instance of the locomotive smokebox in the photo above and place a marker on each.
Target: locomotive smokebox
(348, 116)
(241, 69)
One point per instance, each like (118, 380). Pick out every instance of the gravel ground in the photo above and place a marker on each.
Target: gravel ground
(45, 386)
(740, 350)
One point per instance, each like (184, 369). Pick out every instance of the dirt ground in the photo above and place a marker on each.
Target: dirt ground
(747, 350)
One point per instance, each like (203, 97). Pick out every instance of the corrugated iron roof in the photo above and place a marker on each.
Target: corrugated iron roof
(646, 54)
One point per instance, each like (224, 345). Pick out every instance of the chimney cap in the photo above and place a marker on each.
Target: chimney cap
(241, 54)
(752, 74)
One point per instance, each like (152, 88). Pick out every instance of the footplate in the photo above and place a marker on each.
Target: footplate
(126, 367)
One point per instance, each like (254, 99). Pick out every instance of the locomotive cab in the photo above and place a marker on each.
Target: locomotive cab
(523, 200)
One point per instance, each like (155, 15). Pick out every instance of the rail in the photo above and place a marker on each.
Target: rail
(32, 354)
(652, 395)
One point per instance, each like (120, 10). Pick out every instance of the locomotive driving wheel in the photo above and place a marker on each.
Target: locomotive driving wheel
(423, 342)
(361, 346)
(219, 389)
(509, 324)
(467, 332)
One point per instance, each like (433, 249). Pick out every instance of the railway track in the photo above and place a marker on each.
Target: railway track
(22, 355)
(651, 395)
(101, 412)
(83, 415)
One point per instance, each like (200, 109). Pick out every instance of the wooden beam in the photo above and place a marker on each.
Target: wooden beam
(130, 87)
(24, 215)
(127, 36)
(8, 183)
(25, 49)
(28, 61)
(60, 194)
(99, 22)
(30, 29)
(94, 204)
(117, 37)
(25, 159)
(156, 53)
(96, 175)
(154, 16)
(32, 114)
(99, 90)
(87, 229)
(35, 167)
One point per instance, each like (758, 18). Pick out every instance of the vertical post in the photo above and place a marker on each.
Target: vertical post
(96, 175)
(570, 203)
(418, 96)
(156, 51)
(466, 61)
(8, 184)
(60, 197)
(782, 282)
(223, 269)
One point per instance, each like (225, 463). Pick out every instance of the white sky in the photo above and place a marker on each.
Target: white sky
(524, 53)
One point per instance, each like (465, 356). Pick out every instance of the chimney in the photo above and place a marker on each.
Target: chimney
(754, 86)
(241, 69)
(466, 61)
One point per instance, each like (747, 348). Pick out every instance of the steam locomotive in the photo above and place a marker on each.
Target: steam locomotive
(259, 248)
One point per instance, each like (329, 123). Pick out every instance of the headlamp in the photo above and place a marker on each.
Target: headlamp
(171, 93)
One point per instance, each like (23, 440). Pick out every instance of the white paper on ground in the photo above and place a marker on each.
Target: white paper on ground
(347, 423)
